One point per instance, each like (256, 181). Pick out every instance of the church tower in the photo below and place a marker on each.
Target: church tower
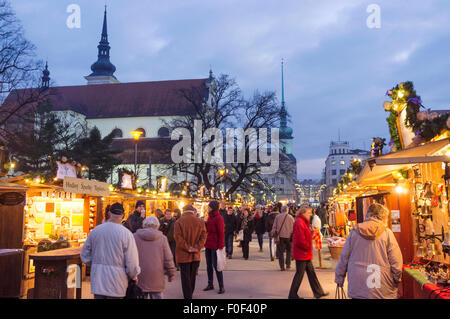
(102, 70)
(285, 131)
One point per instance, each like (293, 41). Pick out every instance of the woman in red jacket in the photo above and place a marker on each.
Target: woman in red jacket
(215, 240)
(302, 250)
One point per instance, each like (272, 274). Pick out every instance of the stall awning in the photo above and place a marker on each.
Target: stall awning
(379, 170)
(4, 186)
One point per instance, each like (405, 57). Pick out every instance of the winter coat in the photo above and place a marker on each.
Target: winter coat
(302, 248)
(247, 224)
(110, 250)
(322, 213)
(134, 222)
(215, 231)
(231, 224)
(189, 231)
(155, 259)
(370, 249)
(283, 226)
(270, 220)
(166, 227)
(260, 227)
(222, 212)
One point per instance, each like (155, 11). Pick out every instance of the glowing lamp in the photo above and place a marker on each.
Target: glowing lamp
(401, 94)
(136, 134)
(400, 189)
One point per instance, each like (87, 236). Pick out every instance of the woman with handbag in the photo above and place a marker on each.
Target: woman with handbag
(246, 230)
(371, 258)
(303, 255)
(215, 242)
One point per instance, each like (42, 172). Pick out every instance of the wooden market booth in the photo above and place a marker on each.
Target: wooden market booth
(413, 183)
(51, 217)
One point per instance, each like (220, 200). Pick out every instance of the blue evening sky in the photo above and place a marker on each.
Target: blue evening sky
(337, 70)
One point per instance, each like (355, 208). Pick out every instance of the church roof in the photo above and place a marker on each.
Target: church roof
(162, 98)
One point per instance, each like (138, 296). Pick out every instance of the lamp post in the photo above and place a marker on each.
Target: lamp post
(136, 135)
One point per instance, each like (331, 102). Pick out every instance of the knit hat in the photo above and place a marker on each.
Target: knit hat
(116, 209)
(189, 208)
(214, 205)
(139, 203)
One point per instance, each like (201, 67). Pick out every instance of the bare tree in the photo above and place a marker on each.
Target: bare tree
(225, 100)
(225, 107)
(19, 69)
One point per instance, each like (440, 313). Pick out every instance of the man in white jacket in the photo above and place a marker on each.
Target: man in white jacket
(110, 250)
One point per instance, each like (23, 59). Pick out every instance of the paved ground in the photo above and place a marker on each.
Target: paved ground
(257, 277)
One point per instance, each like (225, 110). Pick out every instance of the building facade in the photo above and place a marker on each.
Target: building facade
(338, 161)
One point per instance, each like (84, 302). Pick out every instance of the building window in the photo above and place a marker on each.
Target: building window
(333, 172)
(342, 162)
(174, 171)
(333, 163)
(282, 181)
(334, 181)
(273, 181)
(342, 171)
(163, 132)
(117, 133)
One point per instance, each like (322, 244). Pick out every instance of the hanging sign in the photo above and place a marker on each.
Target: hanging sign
(83, 186)
(66, 170)
(127, 181)
(12, 199)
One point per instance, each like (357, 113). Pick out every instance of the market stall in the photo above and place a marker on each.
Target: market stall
(413, 183)
(52, 216)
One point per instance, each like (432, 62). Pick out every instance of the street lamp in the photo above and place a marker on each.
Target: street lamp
(136, 135)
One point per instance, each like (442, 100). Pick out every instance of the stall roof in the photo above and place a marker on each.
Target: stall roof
(380, 173)
(11, 186)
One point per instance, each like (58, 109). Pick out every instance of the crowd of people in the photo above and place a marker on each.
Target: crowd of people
(142, 251)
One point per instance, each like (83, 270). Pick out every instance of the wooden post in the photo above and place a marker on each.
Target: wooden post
(320, 260)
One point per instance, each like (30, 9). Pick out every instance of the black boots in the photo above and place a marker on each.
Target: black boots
(209, 287)
(221, 290)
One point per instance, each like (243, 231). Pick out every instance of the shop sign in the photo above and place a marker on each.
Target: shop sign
(127, 181)
(12, 199)
(83, 186)
(66, 170)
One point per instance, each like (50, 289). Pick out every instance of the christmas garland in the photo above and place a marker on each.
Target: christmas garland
(425, 124)
(352, 173)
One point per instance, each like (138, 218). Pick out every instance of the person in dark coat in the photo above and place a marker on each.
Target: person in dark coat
(215, 240)
(260, 227)
(231, 227)
(134, 221)
(166, 227)
(222, 210)
(269, 224)
(247, 225)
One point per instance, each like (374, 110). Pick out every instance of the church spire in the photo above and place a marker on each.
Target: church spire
(285, 131)
(283, 112)
(103, 67)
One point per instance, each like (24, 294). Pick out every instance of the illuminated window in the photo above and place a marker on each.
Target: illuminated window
(342, 162)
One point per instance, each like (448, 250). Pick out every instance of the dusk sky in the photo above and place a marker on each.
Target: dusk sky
(337, 69)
